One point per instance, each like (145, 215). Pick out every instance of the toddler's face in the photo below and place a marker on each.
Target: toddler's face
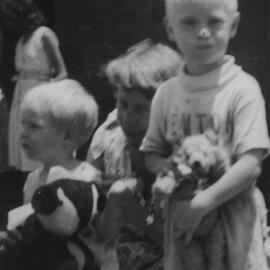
(40, 140)
(201, 30)
(133, 114)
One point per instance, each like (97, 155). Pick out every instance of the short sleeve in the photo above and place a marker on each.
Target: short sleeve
(250, 125)
(154, 140)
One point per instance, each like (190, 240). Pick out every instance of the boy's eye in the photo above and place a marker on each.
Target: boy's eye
(30, 125)
(215, 22)
(188, 22)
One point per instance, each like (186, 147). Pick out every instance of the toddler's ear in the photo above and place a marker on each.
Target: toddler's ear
(235, 23)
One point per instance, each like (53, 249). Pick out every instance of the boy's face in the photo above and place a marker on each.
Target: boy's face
(40, 140)
(202, 30)
(133, 114)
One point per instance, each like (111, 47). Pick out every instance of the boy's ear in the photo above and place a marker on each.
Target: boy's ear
(236, 20)
(168, 28)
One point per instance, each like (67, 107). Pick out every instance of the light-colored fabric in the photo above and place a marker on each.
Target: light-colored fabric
(33, 68)
(109, 143)
(229, 101)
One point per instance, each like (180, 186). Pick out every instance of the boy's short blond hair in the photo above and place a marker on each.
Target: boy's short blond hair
(232, 4)
(66, 105)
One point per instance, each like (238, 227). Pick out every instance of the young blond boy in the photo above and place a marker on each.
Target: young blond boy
(211, 91)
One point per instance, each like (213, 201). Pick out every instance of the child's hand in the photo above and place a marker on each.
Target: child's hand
(9, 239)
(187, 215)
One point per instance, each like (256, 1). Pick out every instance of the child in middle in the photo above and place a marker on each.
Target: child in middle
(135, 76)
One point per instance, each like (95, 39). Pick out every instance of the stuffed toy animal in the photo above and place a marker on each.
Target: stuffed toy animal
(61, 210)
(199, 163)
(134, 209)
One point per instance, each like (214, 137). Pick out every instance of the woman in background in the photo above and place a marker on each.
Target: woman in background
(37, 60)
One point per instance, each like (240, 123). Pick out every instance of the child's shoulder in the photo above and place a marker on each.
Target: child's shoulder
(246, 84)
(246, 78)
(167, 87)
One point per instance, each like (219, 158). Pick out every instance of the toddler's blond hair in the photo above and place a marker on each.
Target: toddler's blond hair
(66, 105)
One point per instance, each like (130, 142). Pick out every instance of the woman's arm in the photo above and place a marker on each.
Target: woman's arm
(55, 59)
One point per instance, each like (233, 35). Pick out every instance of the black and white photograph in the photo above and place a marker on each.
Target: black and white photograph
(134, 135)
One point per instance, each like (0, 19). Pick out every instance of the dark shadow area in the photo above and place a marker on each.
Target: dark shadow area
(11, 192)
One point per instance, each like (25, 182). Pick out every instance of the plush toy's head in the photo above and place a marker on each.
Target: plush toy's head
(204, 156)
(66, 206)
(199, 162)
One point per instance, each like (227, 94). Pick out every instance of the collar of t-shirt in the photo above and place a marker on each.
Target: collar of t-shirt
(213, 79)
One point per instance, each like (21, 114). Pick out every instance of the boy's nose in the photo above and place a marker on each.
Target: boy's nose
(204, 34)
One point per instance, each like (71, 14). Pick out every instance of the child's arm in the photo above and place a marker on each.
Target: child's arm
(109, 223)
(238, 178)
(55, 58)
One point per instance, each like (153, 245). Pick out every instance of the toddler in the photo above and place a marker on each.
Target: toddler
(211, 92)
(57, 118)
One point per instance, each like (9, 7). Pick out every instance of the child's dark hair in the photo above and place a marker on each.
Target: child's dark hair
(21, 13)
(143, 67)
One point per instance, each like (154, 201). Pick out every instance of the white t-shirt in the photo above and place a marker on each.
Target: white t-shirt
(226, 99)
(229, 101)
